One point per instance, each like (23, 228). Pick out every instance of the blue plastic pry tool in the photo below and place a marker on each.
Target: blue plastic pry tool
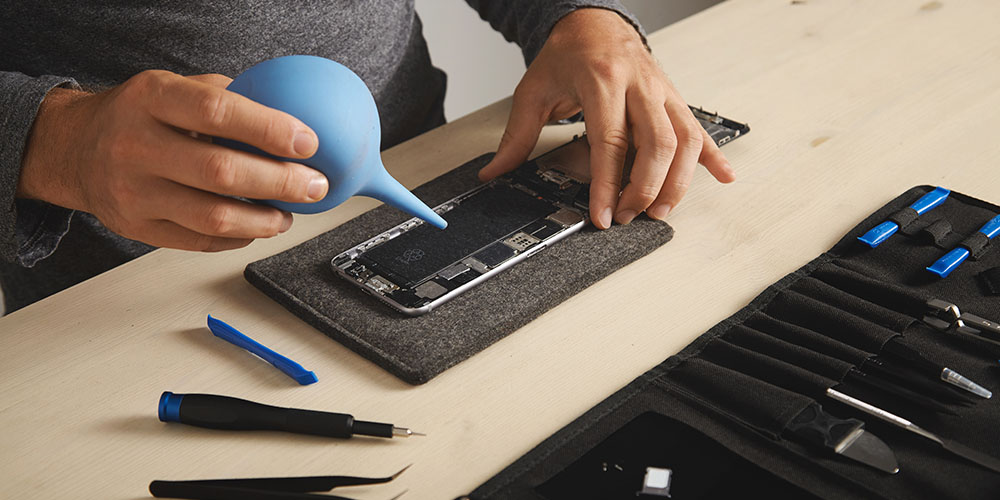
(876, 235)
(945, 265)
(288, 367)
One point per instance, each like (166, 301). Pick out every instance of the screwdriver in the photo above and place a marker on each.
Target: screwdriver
(229, 413)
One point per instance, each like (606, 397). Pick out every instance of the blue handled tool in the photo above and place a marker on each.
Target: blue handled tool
(876, 235)
(945, 265)
(212, 411)
(288, 367)
(333, 101)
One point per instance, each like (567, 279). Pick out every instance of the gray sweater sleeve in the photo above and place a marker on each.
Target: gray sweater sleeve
(528, 22)
(29, 230)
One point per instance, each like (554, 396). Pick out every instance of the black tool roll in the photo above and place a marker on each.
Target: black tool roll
(722, 414)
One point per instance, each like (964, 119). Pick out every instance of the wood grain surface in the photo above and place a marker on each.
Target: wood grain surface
(850, 102)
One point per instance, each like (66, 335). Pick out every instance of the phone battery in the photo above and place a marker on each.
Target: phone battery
(475, 223)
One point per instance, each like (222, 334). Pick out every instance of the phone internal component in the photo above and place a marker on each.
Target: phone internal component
(455, 270)
(495, 254)
(381, 285)
(566, 217)
(521, 241)
(556, 177)
(478, 221)
(476, 265)
(430, 290)
(571, 160)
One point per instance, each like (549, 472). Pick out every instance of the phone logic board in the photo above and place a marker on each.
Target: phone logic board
(414, 266)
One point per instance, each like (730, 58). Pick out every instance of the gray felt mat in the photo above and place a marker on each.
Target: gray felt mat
(416, 349)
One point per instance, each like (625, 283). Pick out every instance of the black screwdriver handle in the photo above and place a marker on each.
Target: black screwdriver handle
(228, 413)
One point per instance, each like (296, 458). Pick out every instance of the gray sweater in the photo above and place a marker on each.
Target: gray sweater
(98, 44)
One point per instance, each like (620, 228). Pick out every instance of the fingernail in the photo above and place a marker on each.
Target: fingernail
(317, 187)
(626, 216)
(286, 223)
(659, 212)
(604, 218)
(304, 144)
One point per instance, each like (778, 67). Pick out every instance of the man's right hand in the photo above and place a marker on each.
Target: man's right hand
(136, 158)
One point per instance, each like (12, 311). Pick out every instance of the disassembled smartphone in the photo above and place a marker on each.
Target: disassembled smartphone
(414, 267)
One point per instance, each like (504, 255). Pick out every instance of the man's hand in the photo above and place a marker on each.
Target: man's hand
(134, 157)
(595, 61)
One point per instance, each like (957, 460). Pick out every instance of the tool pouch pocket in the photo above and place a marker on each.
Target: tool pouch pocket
(739, 384)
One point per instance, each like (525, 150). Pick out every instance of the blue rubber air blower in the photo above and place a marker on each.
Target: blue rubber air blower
(333, 101)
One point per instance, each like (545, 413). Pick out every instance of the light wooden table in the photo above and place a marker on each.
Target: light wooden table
(850, 103)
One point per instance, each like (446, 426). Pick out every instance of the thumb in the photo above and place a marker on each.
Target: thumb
(519, 138)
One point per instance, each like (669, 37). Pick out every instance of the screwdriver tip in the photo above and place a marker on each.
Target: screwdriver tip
(404, 432)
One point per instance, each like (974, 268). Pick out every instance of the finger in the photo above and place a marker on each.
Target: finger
(215, 215)
(655, 145)
(527, 116)
(206, 109)
(608, 137)
(218, 169)
(714, 161)
(689, 146)
(166, 234)
(213, 79)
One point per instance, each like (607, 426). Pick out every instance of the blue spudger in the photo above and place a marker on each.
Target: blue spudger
(945, 265)
(288, 367)
(876, 235)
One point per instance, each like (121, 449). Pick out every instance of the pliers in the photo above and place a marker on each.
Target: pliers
(947, 317)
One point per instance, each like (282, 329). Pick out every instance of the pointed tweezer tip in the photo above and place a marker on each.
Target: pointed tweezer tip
(394, 476)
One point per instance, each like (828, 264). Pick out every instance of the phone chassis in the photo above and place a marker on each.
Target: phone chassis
(414, 267)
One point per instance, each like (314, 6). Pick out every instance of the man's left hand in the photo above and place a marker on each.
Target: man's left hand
(595, 61)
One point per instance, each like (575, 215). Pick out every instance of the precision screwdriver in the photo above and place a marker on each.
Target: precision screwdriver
(229, 413)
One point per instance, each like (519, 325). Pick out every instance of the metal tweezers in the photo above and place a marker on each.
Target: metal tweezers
(946, 317)
(270, 488)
